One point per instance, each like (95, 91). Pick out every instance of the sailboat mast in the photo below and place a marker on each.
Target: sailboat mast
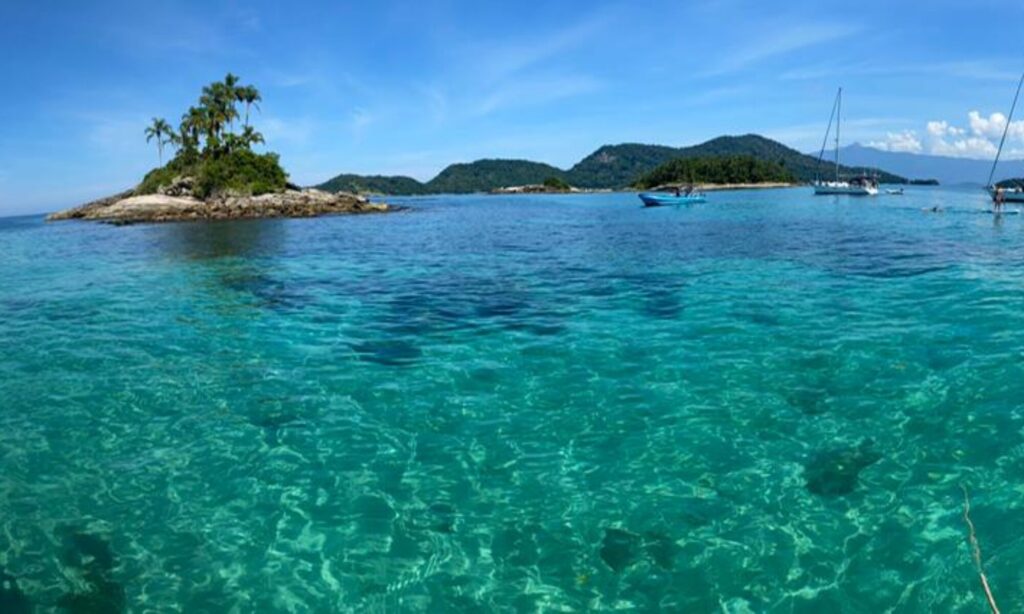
(824, 141)
(839, 121)
(1006, 130)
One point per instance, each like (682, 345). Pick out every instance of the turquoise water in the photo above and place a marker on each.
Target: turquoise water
(767, 403)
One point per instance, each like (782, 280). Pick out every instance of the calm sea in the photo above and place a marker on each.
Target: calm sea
(769, 402)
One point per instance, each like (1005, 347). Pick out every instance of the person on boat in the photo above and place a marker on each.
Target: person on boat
(999, 200)
(677, 192)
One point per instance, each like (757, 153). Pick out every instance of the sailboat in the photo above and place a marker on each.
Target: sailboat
(862, 185)
(1005, 195)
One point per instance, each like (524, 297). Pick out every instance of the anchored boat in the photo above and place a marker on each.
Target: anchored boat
(659, 199)
(1001, 195)
(857, 186)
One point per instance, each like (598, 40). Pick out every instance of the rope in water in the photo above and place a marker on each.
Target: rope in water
(972, 538)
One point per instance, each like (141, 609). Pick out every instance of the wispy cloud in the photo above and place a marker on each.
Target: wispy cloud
(293, 131)
(536, 91)
(360, 121)
(779, 40)
(980, 70)
(498, 60)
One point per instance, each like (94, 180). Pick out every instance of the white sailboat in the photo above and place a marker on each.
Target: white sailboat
(862, 185)
(1011, 194)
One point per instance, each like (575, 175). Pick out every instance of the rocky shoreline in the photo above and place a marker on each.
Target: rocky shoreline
(131, 208)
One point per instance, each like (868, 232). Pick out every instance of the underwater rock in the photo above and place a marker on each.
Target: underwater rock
(104, 597)
(92, 556)
(619, 549)
(809, 401)
(83, 551)
(442, 517)
(835, 472)
(393, 353)
(660, 548)
(12, 600)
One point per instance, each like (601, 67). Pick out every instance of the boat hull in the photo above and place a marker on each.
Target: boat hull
(1009, 196)
(664, 200)
(845, 190)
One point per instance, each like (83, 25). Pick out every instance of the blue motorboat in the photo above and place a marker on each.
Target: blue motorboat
(664, 199)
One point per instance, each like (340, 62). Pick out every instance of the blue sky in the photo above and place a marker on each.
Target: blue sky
(410, 87)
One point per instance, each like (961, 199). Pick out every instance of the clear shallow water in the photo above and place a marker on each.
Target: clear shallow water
(765, 403)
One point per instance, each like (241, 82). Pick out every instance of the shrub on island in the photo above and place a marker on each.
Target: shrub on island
(212, 158)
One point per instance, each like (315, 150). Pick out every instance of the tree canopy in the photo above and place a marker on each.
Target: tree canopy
(716, 169)
(210, 151)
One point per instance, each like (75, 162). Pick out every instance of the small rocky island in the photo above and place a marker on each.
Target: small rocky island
(215, 174)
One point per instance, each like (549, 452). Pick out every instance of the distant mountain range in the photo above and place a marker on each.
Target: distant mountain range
(947, 170)
(610, 167)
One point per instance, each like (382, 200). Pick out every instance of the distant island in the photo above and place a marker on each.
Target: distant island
(215, 174)
(924, 182)
(717, 170)
(611, 167)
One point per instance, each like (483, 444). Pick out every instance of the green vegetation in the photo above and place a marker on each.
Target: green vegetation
(716, 169)
(376, 184)
(557, 183)
(618, 166)
(210, 152)
(610, 167)
(164, 135)
(485, 175)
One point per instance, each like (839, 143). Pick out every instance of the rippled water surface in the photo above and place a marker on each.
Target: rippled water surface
(520, 404)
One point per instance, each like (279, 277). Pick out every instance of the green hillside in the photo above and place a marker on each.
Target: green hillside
(617, 166)
(716, 169)
(374, 184)
(485, 175)
(803, 167)
(610, 167)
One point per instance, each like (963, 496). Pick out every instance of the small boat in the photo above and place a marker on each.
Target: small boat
(857, 186)
(895, 191)
(660, 199)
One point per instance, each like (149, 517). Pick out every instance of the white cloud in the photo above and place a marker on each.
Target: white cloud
(979, 139)
(943, 129)
(994, 125)
(906, 142)
(971, 147)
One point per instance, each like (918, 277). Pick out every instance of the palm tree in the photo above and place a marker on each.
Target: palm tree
(192, 127)
(230, 93)
(162, 131)
(250, 96)
(250, 137)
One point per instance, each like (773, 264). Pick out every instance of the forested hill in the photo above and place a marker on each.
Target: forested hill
(610, 167)
(484, 175)
(374, 184)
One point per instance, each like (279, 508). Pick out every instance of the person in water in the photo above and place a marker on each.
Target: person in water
(999, 200)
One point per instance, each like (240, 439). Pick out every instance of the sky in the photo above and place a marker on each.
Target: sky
(408, 87)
